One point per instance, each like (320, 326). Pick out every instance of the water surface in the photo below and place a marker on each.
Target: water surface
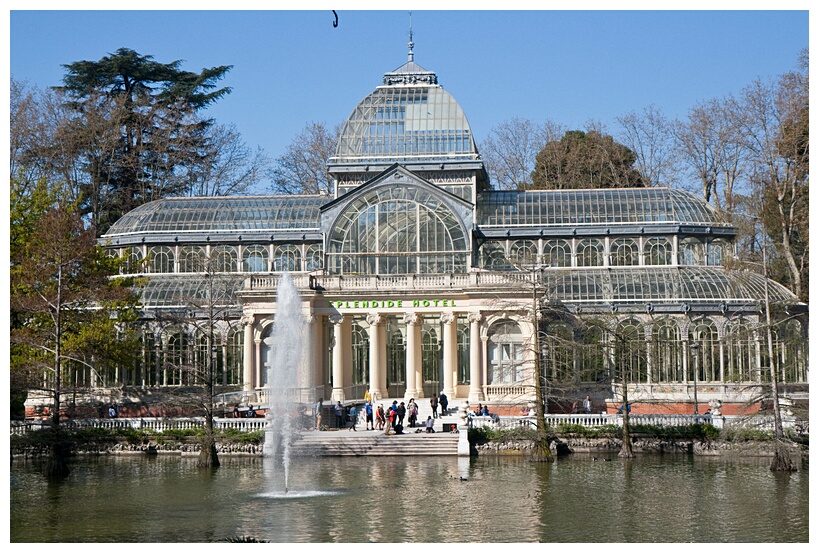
(653, 498)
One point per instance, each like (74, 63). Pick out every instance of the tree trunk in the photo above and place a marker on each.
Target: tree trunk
(208, 457)
(782, 458)
(626, 451)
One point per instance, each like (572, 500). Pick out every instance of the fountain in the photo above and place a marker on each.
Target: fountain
(283, 366)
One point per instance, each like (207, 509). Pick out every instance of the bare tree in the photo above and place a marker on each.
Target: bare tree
(510, 148)
(648, 135)
(775, 124)
(302, 169)
(228, 165)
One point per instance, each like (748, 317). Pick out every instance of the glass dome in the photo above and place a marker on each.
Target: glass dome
(187, 291)
(409, 118)
(661, 285)
(222, 214)
(593, 207)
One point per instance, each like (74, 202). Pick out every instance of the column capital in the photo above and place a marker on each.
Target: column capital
(247, 319)
(475, 317)
(447, 318)
(412, 318)
(375, 319)
(336, 319)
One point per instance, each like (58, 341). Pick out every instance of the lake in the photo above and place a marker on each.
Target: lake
(653, 498)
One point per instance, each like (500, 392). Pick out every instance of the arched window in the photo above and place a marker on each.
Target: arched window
(191, 259)
(739, 348)
(431, 354)
(630, 352)
(592, 355)
(705, 356)
(658, 251)
(505, 353)
(234, 362)
(287, 257)
(145, 361)
(224, 259)
(174, 357)
(161, 260)
(361, 355)
(625, 251)
(398, 229)
(314, 258)
(716, 252)
(557, 253)
(666, 352)
(523, 253)
(133, 261)
(493, 256)
(559, 349)
(463, 350)
(254, 259)
(792, 352)
(396, 358)
(590, 253)
(690, 252)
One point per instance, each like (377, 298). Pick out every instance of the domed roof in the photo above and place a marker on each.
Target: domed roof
(410, 118)
(586, 207)
(222, 213)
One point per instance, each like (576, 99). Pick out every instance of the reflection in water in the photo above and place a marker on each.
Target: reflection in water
(413, 499)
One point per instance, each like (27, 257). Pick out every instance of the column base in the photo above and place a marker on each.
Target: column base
(337, 395)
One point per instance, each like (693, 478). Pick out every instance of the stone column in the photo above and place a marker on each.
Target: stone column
(475, 372)
(450, 352)
(247, 355)
(378, 354)
(413, 322)
(257, 362)
(308, 360)
(338, 358)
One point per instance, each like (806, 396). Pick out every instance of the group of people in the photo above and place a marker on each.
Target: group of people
(390, 420)
(441, 400)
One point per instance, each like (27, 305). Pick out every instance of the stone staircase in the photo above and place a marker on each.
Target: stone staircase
(374, 442)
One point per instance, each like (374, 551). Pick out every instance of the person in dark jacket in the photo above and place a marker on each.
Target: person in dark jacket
(433, 402)
(444, 401)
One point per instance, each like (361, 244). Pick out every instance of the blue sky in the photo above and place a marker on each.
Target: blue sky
(292, 67)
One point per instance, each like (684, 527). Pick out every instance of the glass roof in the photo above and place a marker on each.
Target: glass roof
(408, 119)
(188, 291)
(593, 207)
(223, 213)
(661, 285)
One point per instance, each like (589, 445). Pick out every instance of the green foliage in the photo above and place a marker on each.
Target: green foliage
(135, 130)
(585, 160)
(607, 431)
(242, 438)
(746, 435)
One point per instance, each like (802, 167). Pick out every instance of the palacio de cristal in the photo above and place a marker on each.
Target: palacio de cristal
(416, 277)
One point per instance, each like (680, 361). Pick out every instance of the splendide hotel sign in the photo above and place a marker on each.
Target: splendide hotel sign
(390, 304)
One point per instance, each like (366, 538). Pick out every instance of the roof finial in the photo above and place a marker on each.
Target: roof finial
(411, 44)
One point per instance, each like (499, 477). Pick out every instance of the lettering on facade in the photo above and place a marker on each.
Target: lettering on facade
(390, 304)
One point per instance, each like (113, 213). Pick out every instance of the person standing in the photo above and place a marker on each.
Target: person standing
(412, 410)
(433, 402)
(379, 417)
(391, 423)
(587, 405)
(339, 410)
(368, 411)
(353, 416)
(444, 401)
(402, 412)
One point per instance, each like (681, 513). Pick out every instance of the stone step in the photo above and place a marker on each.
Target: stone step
(342, 442)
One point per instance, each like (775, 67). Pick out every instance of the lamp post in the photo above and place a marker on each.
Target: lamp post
(695, 361)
